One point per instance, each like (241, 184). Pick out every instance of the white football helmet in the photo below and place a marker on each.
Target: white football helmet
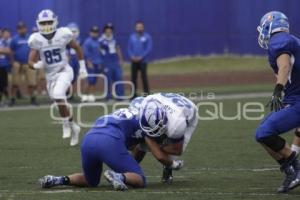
(47, 22)
(153, 118)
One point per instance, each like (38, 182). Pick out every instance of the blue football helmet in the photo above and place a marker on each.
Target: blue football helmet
(136, 103)
(74, 28)
(270, 23)
(153, 118)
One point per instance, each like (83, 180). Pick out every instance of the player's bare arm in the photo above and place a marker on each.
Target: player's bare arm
(138, 154)
(284, 68)
(161, 156)
(74, 45)
(174, 148)
(155, 149)
(33, 58)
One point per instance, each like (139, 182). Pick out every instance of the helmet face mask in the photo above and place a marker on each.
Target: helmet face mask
(264, 36)
(47, 22)
(271, 23)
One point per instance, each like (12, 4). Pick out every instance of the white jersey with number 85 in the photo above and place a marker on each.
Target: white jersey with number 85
(52, 52)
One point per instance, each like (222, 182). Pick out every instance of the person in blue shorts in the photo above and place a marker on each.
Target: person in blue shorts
(107, 142)
(112, 58)
(91, 48)
(284, 58)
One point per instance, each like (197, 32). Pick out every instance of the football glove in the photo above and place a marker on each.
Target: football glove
(276, 103)
(177, 164)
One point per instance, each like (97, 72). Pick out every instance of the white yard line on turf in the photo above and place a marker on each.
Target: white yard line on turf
(166, 192)
(191, 170)
(217, 97)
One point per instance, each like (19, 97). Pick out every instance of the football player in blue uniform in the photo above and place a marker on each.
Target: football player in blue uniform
(108, 142)
(284, 58)
(112, 58)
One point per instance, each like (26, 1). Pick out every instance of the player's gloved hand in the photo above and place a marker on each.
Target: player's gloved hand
(276, 103)
(177, 164)
(38, 65)
(82, 69)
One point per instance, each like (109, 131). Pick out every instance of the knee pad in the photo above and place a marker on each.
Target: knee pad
(274, 142)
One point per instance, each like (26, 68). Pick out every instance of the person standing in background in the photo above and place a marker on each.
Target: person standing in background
(91, 48)
(112, 59)
(139, 47)
(20, 49)
(5, 62)
(73, 61)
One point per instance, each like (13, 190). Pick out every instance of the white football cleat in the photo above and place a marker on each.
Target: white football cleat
(74, 134)
(115, 179)
(66, 130)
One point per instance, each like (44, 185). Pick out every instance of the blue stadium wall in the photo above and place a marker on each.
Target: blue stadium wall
(178, 27)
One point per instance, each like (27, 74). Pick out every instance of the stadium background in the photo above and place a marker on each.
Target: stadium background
(179, 27)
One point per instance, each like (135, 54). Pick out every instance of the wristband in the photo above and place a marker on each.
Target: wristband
(81, 64)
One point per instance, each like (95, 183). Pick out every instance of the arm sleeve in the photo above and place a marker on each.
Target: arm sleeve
(280, 47)
(148, 46)
(129, 47)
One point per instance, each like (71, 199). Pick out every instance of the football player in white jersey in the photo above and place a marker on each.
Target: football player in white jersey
(170, 120)
(48, 51)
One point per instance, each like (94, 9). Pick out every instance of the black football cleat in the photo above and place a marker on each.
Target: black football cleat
(167, 176)
(290, 175)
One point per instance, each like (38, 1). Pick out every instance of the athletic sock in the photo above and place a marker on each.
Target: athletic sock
(295, 148)
(289, 161)
(66, 180)
(123, 178)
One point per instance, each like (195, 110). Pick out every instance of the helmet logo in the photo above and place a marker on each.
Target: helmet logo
(270, 17)
(45, 14)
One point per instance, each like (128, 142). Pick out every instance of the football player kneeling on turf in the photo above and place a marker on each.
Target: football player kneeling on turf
(107, 143)
(169, 120)
(48, 50)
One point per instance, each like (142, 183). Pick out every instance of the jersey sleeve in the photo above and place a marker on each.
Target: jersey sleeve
(281, 45)
(67, 35)
(33, 42)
